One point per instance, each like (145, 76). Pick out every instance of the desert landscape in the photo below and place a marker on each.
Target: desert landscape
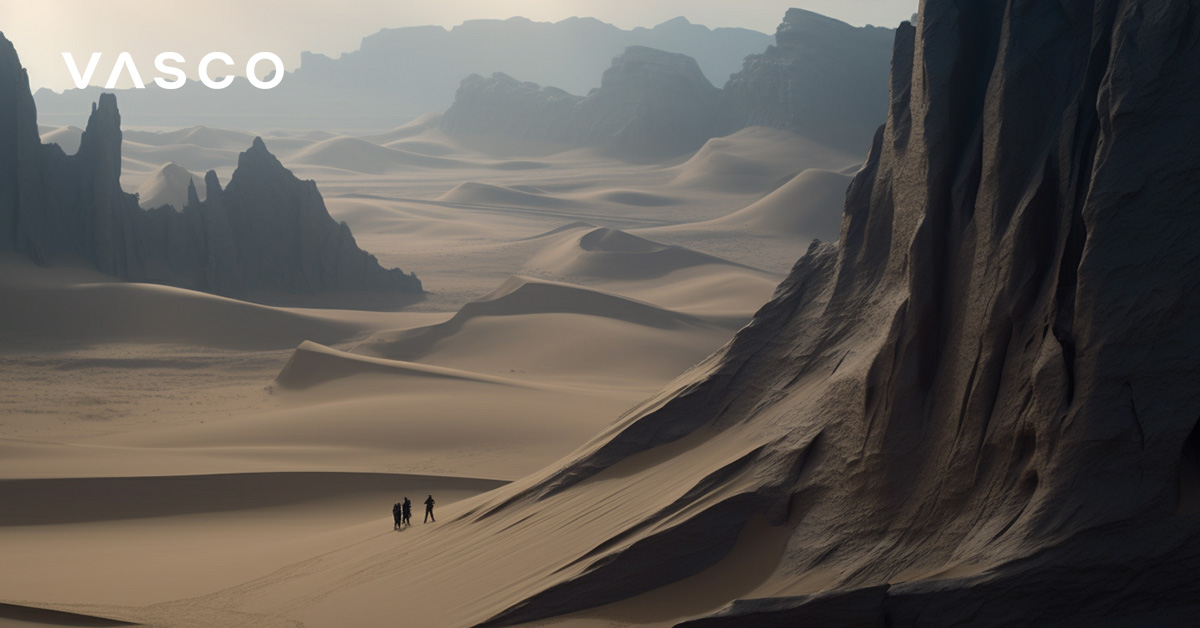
(910, 350)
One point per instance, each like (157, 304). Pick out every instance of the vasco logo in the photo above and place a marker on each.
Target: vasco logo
(125, 62)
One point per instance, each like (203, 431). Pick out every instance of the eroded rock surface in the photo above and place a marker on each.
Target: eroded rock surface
(981, 407)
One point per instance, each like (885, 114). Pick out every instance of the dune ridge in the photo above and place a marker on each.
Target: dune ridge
(614, 254)
(312, 364)
(522, 296)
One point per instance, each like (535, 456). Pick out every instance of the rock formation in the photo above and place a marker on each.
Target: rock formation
(981, 408)
(649, 104)
(266, 232)
(823, 79)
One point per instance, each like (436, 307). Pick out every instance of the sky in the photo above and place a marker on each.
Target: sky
(44, 29)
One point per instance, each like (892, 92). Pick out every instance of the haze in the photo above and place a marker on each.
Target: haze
(43, 30)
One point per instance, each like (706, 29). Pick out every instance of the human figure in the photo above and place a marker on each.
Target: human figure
(429, 510)
(406, 512)
(397, 516)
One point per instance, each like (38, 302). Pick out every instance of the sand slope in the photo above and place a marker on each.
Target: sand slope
(755, 158)
(473, 193)
(555, 332)
(168, 185)
(807, 206)
(202, 136)
(614, 254)
(66, 303)
(66, 137)
(312, 364)
(138, 540)
(357, 155)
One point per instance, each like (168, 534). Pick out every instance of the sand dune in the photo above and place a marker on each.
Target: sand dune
(756, 159)
(20, 616)
(66, 137)
(558, 332)
(613, 254)
(71, 304)
(518, 164)
(194, 158)
(357, 155)
(473, 193)
(168, 186)
(773, 229)
(633, 198)
(808, 206)
(423, 147)
(140, 540)
(201, 136)
(423, 124)
(312, 364)
(89, 499)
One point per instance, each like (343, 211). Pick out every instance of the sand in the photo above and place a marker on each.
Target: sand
(166, 447)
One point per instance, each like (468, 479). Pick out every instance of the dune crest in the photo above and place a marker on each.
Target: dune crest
(473, 193)
(357, 155)
(604, 253)
(808, 206)
(312, 364)
(168, 185)
(561, 332)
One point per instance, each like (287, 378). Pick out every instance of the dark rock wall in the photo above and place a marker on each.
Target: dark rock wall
(979, 409)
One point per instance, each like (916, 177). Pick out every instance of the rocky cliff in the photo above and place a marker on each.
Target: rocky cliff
(266, 232)
(981, 407)
(823, 79)
(649, 104)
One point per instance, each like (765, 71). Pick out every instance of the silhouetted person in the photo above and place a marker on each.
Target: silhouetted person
(397, 516)
(406, 512)
(429, 510)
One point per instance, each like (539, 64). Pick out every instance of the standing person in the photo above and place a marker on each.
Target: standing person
(406, 512)
(429, 510)
(397, 515)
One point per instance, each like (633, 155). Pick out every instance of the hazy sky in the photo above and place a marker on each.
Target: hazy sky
(43, 29)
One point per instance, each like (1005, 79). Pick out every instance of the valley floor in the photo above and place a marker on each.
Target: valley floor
(159, 445)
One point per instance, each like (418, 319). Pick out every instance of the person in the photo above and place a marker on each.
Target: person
(429, 510)
(397, 513)
(406, 512)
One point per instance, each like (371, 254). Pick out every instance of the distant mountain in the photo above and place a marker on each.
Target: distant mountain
(823, 79)
(400, 73)
(267, 232)
(649, 104)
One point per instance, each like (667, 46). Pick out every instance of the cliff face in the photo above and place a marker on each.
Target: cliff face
(649, 104)
(267, 231)
(823, 79)
(981, 408)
